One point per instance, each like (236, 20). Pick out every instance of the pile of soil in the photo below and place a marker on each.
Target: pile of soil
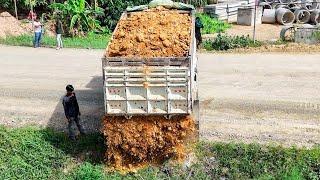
(10, 26)
(141, 140)
(159, 32)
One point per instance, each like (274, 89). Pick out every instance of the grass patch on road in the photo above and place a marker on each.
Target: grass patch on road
(92, 41)
(32, 153)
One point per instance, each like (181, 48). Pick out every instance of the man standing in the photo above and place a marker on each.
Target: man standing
(72, 112)
(37, 33)
(59, 31)
(198, 27)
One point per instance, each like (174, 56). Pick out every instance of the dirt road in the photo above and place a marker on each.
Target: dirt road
(252, 98)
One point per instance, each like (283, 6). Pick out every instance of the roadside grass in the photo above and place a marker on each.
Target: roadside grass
(92, 41)
(33, 153)
(225, 42)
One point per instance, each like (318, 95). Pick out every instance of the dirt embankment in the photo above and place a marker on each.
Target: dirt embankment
(9, 25)
(157, 33)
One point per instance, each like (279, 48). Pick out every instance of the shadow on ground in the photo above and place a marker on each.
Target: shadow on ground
(91, 108)
(89, 147)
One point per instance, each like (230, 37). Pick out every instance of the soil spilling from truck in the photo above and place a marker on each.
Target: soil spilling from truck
(157, 33)
(142, 140)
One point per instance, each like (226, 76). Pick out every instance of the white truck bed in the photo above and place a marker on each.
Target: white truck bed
(151, 86)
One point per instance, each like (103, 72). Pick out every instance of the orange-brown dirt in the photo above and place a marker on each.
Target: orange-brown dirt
(141, 140)
(157, 32)
(9, 25)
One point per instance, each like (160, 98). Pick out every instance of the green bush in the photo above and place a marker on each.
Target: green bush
(115, 8)
(195, 3)
(225, 42)
(212, 25)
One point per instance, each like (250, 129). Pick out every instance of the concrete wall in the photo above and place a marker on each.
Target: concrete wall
(246, 16)
(307, 35)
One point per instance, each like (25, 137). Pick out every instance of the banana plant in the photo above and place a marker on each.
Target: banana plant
(78, 16)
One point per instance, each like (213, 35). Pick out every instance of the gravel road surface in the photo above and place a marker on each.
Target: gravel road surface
(264, 98)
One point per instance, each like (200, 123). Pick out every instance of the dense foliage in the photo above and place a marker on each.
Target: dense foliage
(31, 153)
(212, 25)
(78, 16)
(114, 9)
(225, 42)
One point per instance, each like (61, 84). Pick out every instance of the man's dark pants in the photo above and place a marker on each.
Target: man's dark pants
(76, 120)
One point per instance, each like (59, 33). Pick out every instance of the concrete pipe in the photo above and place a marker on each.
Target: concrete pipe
(265, 5)
(269, 16)
(284, 16)
(277, 6)
(315, 5)
(292, 5)
(302, 16)
(269, 1)
(315, 16)
(286, 33)
(294, 9)
(306, 6)
(285, 1)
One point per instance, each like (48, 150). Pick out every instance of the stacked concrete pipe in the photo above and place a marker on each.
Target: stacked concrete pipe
(285, 1)
(306, 6)
(269, 1)
(302, 16)
(269, 16)
(284, 16)
(277, 6)
(315, 16)
(265, 5)
(292, 5)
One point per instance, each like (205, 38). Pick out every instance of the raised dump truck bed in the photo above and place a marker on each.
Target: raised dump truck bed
(151, 86)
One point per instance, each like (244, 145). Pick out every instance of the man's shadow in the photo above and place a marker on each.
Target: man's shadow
(91, 102)
(91, 107)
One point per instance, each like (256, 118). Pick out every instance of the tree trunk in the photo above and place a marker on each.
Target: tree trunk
(15, 8)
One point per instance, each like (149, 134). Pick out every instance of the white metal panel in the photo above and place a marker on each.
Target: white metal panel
(147, 90)
(178, 93)
(157, 93)
(116, 107)
(178, 107)
(136, 93)
(157, 107)
(115, 93)
(137, 107)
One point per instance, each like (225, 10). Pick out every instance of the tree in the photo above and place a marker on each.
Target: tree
(78, 16)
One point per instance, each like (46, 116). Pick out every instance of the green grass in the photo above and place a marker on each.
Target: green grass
(32, 153)
(212, 25)
(224, 42)
(93, 41)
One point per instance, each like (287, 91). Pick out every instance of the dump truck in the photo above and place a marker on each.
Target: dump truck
(162, 86)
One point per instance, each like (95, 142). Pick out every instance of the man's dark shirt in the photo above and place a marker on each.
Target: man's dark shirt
(70, 105)
(58, 27)
(198, 27)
